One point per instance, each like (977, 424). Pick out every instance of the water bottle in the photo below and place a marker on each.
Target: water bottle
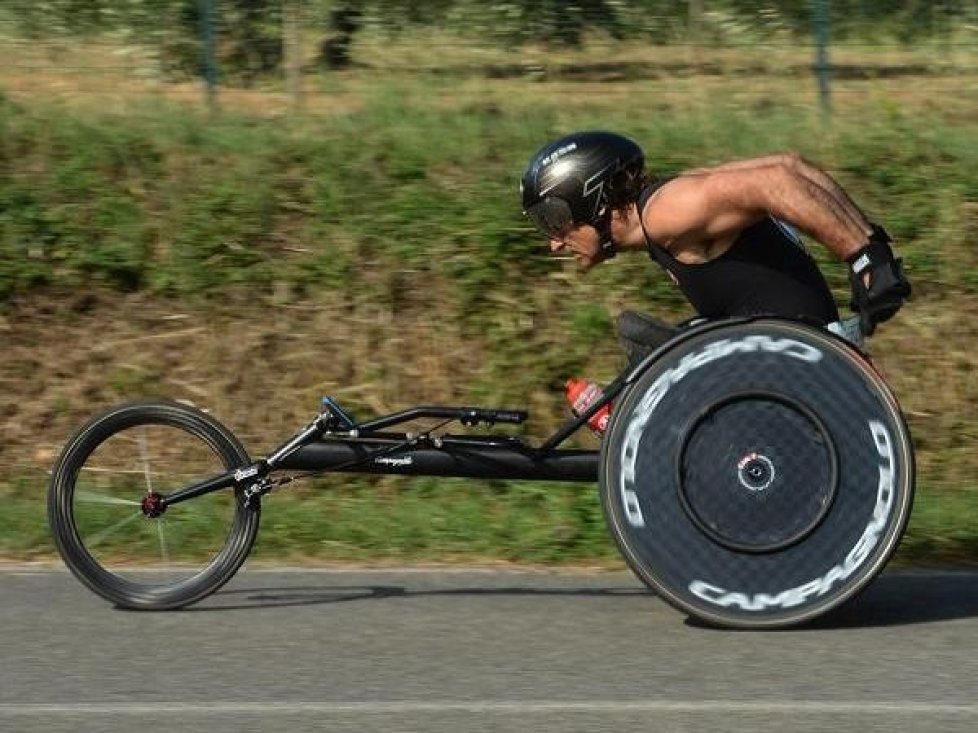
(581, 394)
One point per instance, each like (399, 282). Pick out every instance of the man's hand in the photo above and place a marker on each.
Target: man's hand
(878, 284)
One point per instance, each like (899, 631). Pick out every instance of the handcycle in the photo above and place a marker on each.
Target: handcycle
(755, 473)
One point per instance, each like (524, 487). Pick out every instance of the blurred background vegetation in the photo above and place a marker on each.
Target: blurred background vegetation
(250, 203)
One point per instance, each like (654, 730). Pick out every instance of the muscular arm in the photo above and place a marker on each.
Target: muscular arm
(715, 204)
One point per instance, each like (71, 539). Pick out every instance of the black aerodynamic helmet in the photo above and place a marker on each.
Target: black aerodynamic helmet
(567, 181)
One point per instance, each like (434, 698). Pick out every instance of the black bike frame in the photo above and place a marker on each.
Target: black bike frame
(364, 448)
(462, 456)
(334, 442)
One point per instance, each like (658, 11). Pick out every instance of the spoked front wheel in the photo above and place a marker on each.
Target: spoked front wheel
(104, 512)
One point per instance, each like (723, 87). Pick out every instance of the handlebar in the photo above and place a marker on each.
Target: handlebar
(465, 415)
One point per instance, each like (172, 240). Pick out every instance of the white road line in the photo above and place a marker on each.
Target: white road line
(888, 708)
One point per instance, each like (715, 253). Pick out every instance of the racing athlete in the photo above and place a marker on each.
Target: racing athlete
(725, 234)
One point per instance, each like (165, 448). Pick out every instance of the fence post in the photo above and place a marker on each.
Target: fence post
(208, 53)
(695, 28)
(822, 68)
(292, 45)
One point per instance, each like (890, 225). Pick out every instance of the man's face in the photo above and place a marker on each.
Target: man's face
(581, 241)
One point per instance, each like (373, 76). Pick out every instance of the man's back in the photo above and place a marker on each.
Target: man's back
(765, 271)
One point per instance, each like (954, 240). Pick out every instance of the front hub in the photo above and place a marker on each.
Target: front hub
(152, 505)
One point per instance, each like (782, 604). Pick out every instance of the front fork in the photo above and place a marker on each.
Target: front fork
(256, 482)
(255, 479)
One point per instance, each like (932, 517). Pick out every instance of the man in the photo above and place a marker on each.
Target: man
(724, 234)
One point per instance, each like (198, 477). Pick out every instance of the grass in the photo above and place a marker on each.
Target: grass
(371, 247)
(395, 520)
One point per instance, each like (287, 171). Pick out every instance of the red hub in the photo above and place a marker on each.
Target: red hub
(152, 505)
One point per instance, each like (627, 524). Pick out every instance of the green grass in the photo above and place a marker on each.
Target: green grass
(170, 202)
(358, 520)
(943, 528)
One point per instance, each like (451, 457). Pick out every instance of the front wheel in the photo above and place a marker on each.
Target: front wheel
(107, 534)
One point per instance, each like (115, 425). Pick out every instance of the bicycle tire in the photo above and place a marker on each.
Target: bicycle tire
(99, 452)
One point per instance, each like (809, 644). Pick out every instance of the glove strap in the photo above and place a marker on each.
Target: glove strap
(875, 252)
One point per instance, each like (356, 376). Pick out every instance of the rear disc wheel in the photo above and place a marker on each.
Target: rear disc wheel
(757, 474)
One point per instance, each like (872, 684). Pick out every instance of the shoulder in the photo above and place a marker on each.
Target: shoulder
(676, 204)
(704, 204)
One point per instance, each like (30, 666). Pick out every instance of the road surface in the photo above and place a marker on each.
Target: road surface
(478, 650)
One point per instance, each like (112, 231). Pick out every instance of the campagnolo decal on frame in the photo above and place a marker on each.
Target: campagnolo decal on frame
(653, 396)
(885, 491)
(394, 462)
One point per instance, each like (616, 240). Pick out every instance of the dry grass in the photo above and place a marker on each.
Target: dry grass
(429, 66)
(261, 369)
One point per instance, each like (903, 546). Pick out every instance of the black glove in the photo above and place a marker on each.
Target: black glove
(888, 286)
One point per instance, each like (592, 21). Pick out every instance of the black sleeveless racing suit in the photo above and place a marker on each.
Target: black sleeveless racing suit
(766, 271)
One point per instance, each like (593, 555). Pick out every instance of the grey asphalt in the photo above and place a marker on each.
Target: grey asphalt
(478, 650)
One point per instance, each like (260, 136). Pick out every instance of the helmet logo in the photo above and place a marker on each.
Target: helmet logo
(595, 185)
(558, 153)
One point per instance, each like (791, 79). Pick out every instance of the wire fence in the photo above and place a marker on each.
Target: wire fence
(318, 55)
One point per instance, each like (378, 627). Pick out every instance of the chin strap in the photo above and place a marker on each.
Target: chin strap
(608, 248)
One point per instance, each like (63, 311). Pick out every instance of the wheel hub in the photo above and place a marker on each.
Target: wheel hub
(757, 472)
(152, 505)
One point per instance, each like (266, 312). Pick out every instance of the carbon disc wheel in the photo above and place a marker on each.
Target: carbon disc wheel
(735, 463)
(757, 474)
(109, 525)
